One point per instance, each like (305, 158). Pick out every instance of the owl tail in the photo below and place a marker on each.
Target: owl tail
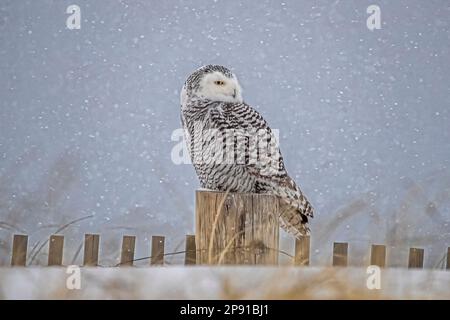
(295, 209)
(292, 220)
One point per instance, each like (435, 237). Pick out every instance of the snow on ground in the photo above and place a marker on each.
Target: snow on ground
(223, 283)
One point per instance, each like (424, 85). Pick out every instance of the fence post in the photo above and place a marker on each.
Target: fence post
(415, 258)
(189, 257)
(157, 250)
(19, 250)
(55, 250)
(378, 255)
(340, 254)
(234, 228)
(448, 258)
(91, 245)
(302, 249)
(127, 255)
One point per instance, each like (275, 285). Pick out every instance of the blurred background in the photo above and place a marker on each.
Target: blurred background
(87, 115)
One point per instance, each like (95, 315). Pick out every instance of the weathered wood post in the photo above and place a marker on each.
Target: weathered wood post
(19, 250)
(190, 255)
(55, 250)
(157, 255)
(448, 258)
(302, 248)
(340, 254)
(415, 259)
(378, 255)
(127, 254)
(91, 247)
(235, 228)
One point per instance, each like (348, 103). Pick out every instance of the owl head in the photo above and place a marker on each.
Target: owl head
(212, 82)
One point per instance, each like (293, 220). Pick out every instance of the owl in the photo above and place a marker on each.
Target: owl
(233, 148)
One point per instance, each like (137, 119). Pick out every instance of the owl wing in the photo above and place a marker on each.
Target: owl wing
(255, 140)
(265, 161)
(187, 136)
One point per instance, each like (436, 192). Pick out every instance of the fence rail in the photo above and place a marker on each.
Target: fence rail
(127, 257)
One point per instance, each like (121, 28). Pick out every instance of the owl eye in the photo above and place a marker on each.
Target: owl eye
(219, 82)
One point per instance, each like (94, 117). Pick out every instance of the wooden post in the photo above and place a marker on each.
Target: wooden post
(91, 244)
(448, 258)
(415, 258)
(378, 255)
(55, 250)
(157, 250)
(19, 250)
(302, 248)
(189, 257)
(127, 255)
(340, 254)
(234, 228)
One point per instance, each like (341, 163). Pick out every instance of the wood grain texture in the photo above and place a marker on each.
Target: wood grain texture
(91, 247)
(190, 255)
(302, 251)
(19, 250)
(340, 254)
(127, 254)
(236, 228)
(157, 254)
(415, 259)
(378, 255)
(55, 250)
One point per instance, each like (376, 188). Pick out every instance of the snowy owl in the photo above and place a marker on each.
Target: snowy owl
(232, 147)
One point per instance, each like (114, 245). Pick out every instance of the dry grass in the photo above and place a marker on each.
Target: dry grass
(223, 283)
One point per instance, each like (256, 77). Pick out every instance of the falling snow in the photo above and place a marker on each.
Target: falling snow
(87, 116)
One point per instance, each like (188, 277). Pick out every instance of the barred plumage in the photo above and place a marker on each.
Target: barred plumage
(232, 147)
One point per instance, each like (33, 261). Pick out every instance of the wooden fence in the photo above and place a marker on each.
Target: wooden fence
(230, 229)
(157, 254)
